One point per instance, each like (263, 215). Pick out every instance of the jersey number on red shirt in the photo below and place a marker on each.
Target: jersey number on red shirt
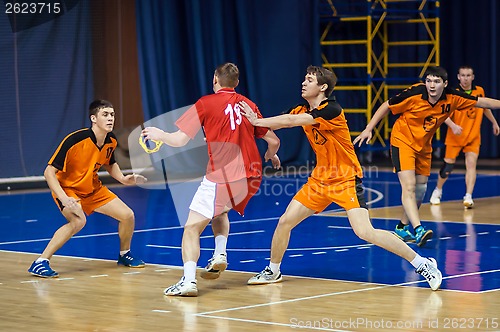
(234, 115)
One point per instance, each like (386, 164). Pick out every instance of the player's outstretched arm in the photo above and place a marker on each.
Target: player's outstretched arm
(486, 102)
(131, 179)
(366, 135)
(276, 122)
(176, 139)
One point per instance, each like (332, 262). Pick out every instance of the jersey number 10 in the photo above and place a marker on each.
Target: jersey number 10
(234, 115)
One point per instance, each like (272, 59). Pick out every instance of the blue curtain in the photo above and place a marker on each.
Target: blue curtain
(181, 42)
(45, 87)
(469, 36)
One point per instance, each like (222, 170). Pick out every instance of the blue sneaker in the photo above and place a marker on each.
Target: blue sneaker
(404, 234)
(42, 270)
(422, 236)
(130, 261)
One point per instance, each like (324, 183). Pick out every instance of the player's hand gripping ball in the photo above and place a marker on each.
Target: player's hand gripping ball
(150, 146)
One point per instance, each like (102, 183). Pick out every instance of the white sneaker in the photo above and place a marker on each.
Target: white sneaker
(265, 277)
(468, 202)
(436, 196)
(182, 288)
(216, 265)
(430, 272)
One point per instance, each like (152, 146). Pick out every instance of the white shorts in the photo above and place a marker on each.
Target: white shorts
(212, 199)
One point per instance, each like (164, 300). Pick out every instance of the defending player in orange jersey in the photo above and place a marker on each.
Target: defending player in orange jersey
(422, 108)
(336, 178)
(72, 177)
(464, 134)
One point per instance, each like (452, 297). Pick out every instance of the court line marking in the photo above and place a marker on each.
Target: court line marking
(232, 223)
(271, 323)
(174, 267)
(344, 292)
(136, 231)
(346, 247)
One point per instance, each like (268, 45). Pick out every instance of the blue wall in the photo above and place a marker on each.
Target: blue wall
(46, 65)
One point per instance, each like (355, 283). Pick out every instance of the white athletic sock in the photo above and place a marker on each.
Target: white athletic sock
(275, 267)
(438, 190)
(40, 259)
(417, 261)
(220, 244)
(190, 271)
(123, 252)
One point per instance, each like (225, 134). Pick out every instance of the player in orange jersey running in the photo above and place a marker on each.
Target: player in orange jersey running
(336, 178)
(464, 134)
(422, 108)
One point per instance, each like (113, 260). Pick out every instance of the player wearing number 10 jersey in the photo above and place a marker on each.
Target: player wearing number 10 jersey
(233, 172)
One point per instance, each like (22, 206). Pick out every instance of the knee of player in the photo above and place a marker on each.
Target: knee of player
(129, 216)
(364, 233)
(285, 221)
(446, 170)
(77, 223)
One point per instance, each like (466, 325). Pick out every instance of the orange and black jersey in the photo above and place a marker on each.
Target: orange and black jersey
(331, 142)
(419, 119)
(470, 121)
(78, 159)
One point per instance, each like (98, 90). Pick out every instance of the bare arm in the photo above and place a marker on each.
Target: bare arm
(485, 102)
(55, 187)
(491, 117)
(285, 121)
(115, 171)
(276, 122)
(366, 135)
(273, 144)
(456, 129)
(176, 139)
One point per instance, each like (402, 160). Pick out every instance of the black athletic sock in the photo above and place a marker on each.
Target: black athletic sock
(400, 225)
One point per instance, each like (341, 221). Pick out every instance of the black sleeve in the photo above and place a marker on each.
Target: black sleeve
(328, 112)
(460, 93)
(414, 90)
(67, 144)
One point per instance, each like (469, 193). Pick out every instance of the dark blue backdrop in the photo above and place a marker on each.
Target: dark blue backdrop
(272, 42)
(46, 85)
(46, 65)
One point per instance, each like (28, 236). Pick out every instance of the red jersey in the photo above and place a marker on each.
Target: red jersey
(470, 121)
(232, 151)
(419, 119)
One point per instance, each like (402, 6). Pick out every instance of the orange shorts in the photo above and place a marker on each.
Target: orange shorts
(88, 202)
(452, 151)
(348, 194)
(406, 159)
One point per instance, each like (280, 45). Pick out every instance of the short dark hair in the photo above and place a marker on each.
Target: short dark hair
(466, 67)
(98, 104)
(227, 75)
(324, 76)
(436, 71)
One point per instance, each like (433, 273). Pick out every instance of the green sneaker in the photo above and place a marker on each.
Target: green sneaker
(404, 234)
